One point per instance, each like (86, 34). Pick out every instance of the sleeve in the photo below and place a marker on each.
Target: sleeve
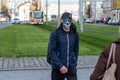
(101, 65)
(76, 48)
(53, 53)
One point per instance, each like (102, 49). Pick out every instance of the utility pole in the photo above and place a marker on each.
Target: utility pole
(107, 9)
(38, 5)
(31, 5)
(95, 10)
(58, 13)
(24, 10)
(81, 14)
(46, 12)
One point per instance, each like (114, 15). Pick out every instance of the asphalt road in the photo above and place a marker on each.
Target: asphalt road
(3, 25)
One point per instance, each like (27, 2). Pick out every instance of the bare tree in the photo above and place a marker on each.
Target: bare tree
(4, 10)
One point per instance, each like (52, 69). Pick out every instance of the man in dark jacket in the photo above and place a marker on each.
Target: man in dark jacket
(64, 52)
(102, 62)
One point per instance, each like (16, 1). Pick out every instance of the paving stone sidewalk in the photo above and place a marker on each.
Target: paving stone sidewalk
(40, 63)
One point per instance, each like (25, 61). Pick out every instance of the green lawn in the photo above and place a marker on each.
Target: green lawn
(95, 38)
(32, 40)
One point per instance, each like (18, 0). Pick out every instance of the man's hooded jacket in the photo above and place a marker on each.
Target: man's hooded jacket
(64, 52)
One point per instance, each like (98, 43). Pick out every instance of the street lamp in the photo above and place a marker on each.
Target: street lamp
(107, 9)
(81, 15)
(46, 12)
(95, 10)
(58, 13)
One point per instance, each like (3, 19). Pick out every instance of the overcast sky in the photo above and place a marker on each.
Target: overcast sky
(61, 1)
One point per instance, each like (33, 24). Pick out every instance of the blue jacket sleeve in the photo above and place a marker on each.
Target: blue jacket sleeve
(76, 48)
(53, 53)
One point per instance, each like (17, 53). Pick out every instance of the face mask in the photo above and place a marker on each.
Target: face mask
(66, 25)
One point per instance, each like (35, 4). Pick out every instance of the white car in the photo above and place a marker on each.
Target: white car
(16, 21)
(89, 21)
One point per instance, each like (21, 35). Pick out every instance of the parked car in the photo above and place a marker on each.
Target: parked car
(89, 21)
(16, 21)
(113, 22)
(110, 21)
(106, 20)
(117, 22)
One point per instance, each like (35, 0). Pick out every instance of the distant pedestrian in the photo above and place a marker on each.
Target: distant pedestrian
(102, 62)
(64, 52)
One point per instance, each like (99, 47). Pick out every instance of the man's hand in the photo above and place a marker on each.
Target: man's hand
(63, 70)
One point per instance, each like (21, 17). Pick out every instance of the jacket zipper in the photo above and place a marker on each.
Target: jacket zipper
(67, 50)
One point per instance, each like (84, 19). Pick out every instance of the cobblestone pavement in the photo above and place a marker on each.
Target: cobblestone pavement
(40, 63)
(33, 68)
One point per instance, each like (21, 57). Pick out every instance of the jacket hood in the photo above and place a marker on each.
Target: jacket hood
(72, 27)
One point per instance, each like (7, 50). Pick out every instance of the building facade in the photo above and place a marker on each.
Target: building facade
(111, 8)
(24, 11)
(53, 10)
(0, 5)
